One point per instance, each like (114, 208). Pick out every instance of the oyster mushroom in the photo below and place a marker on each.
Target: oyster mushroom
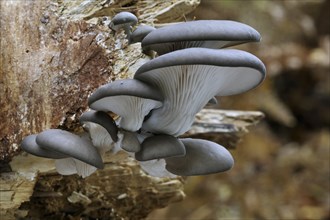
(160, 146)
(124, 20)
(202, 157)
(189, 78)
(140, 33)
(30, 145)
(129, 98)
(70, 144)
(203, 33)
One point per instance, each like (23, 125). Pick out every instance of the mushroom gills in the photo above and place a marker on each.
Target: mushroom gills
(103, 119)
(189, 78)
(131, 99)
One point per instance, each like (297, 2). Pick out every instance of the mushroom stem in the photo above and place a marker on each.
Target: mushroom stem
(128, 32)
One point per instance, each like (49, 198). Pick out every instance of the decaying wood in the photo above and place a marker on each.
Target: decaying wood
(223, 126)
(120, 190)
(53, 55)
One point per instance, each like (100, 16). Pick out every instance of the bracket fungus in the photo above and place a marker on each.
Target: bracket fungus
(202, 157)
(131, 99)
(189, 78)
(202, 33)
(124, 20)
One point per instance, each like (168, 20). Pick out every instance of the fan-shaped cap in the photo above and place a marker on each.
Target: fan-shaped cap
(202, 157)
(189, 78)
(203, 33)
(70, 144)
(30, 145)
(130, 142)
(102, 119)
(140, 32)
(123, 19)
(160, 146)
(129, 98)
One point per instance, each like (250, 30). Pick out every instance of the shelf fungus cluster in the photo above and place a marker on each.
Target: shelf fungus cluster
(189, 68)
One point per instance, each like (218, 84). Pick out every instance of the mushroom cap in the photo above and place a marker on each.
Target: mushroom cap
(123, 19)
(202, 157)
(70, 144)
(128, 87)
(130, 142)
(213, 101)
(30, 145)
(140, 32)
(189, 78)
(160, 146)
(102, 119)
(203, 33)
(129, 98)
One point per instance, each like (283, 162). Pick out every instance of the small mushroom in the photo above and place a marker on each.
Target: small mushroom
(202, 157)
(70, 144)
(123, 20)
(203, 33)
(189, 78)
(129, 98)
(102, 119)
(30, 145)
(160, 146)
(213, 101)
(130, 141)
(140, 33)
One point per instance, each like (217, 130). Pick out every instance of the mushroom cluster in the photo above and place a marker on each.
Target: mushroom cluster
(189, 67)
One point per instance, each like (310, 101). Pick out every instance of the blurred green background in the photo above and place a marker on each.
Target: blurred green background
(282, 165)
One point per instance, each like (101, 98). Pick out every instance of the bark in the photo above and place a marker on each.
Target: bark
(53, 55)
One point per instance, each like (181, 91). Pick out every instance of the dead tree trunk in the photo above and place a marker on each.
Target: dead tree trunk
(53, 55)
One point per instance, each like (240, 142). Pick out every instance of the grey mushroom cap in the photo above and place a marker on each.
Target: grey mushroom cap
(202, 157)
(128, 87)
(129, 98)
(189, 78)
(160, 146)
(141, 32)
(70, 144)
(123, 19)
(102, 119)
(213, 101)
(203, 33)
(130, 142)
(30, 145)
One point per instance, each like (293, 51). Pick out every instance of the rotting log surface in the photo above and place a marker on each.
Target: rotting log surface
(120, 190)
(53, 55)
